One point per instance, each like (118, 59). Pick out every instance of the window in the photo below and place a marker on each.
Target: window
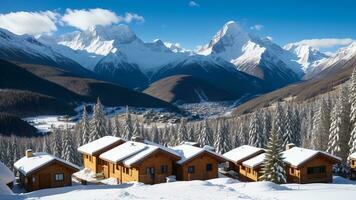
(353, 162)
(33, 179)
(127, 171)
(90, 158)
(316, 170)
(164, 169)
(209, 167)
(150, 171)
(191, 169)
(59, 177)
(292, 170)
(113, 169)
(248, 170)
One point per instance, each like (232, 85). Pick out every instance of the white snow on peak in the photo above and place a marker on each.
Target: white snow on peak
(307, 56)
(27, 165)
(296, 156)
(240, 153)
(99, 144)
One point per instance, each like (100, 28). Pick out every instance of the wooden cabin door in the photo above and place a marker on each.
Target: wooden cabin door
(44, 181)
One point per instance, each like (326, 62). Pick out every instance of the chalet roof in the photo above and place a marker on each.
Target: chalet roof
(6, 175)
(131, 152)
(98, 145)
(297, 156)
(241, 153)
(353, 156)
(255, 161)
(26, 165)
(187, 152)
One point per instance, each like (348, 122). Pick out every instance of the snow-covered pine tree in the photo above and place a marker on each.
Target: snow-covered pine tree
(279, 120)
(191, 133)
(255, 130)
(340, 127)
(46, 145)
(352, 100)
(289, 133)
(182, 131)
(68, 148)
(296, 123)
(206, 135)
(136, 128)
(273, 164)
(117, 129)
(57, 143)
(222, 142)
(321, 126)
(155, 134)
(128, 125)
(98, 122)
(84, 127)
(266, 126)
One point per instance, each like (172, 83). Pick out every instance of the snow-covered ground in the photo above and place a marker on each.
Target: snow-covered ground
(221, 188)
(46, 123)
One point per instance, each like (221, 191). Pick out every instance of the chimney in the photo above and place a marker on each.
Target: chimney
(29, 153)
(137, 138)
(290, 145)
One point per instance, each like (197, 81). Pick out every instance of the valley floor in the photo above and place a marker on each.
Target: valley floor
(221, 188)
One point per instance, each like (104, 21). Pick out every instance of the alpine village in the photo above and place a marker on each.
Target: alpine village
(90, 110)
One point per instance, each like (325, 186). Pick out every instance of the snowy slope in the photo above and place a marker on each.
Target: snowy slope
(221, 188)
(257, 56)
(307, 56)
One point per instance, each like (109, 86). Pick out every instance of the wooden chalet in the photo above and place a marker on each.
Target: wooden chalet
(309, 166)
(240, 154)
(352, 160)
(196, 163)
(250, 169)
(91, 152)
(143, 161)
(42, 170)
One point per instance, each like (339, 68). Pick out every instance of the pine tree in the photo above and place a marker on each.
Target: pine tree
(68, 149)
(279, 120)
(136, 128)
(128, 127)
(288, 136)
(352, 99)
(191, 134)
(340, 127)
(46, 145)
(273, 164)
(206, 136)
(296, 123)
(266, 126)
(57, 143)
(84, 127)
(117, 129)
(222, 142)
(98, 122)
(255, 133)
(182, 132)
(155, 134)
(321, 126)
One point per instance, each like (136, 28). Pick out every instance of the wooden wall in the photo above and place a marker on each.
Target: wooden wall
(200, 173)
(139, 172)
(249, 174)
(45, 177)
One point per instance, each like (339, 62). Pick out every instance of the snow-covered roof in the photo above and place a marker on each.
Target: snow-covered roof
(297, 156)
(6, 175)
(98, 145)
(255, 161)
(243, 152)
(26, 165)
(188, 152)
(131, 152)
(353, 156)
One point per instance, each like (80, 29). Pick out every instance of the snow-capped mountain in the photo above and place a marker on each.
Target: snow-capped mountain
(256, 56)
(121, 40)
(29, 50)
(308, 56)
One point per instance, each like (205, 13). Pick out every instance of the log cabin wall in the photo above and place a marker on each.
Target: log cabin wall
(46, 177)
(200, 172)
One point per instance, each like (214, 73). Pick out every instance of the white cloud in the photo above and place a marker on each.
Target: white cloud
(84, 19)
(193, 4)
(257, 27)
(33, 23)
(326, 42)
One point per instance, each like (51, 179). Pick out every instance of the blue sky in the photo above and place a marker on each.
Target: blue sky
(194, 23)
